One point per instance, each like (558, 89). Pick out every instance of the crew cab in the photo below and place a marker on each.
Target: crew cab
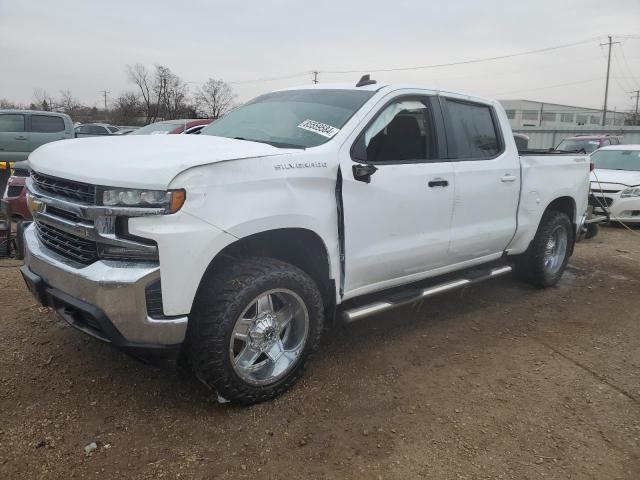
(302, 207)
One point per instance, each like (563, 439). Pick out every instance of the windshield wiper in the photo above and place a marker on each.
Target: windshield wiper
(273, 144)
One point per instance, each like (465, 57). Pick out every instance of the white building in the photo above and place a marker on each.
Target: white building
(529, 113)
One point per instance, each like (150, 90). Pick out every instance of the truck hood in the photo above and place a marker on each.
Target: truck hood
(623, 177)
(140, 161)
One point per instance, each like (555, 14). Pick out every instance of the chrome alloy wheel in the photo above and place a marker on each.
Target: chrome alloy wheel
(269, 336)
(556, 250)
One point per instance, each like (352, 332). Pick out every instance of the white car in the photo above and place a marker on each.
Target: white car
(615, 182)
(302, 206)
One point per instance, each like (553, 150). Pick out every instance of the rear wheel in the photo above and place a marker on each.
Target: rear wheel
(253, 329)
(546, 258)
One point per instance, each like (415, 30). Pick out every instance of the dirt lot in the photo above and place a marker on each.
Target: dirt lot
(497, 381)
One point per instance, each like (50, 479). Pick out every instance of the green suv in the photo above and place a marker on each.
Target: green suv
(22, 131)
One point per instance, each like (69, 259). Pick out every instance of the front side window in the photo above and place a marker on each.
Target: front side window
(291, 118)
(46, 124)
(474, 132)
(10, 122)
(402, 131)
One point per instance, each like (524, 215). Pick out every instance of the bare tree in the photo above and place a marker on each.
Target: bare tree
(163, 93)
(68, 103)
(140, 76)
(43, 100)
(127, 108)
(8, 104)
(215, 97)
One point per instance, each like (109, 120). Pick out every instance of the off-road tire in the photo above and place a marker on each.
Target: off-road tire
(592, 230)
(530, 266)
(221, 298)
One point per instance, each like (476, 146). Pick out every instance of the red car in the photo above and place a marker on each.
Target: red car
(15, 196)
(192, 126)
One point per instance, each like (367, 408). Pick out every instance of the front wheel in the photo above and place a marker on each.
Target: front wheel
(544, 262)
(253, 329)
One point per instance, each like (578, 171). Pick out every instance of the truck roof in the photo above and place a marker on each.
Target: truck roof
(387, 86)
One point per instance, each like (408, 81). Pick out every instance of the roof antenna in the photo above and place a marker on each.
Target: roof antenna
(365, 80)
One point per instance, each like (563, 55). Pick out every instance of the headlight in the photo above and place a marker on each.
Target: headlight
(630, 192)
(171, 200)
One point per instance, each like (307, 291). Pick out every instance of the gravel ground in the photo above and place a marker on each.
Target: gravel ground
(496, 381)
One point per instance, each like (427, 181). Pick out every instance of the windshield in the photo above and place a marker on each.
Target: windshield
(293, 118)
(617, 159)
(586, 146)
(160, 128)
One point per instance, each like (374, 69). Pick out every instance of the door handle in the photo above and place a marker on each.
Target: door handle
(20, 138)
(438, 182)
(508, 178)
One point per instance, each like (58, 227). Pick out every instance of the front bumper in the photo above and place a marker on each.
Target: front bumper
(626, 210)
(105, 299)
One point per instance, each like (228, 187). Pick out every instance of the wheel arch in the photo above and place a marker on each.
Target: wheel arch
(300, 247)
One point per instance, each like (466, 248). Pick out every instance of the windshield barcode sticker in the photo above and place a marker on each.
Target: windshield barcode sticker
(319, 128)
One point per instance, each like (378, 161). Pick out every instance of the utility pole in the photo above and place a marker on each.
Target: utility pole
(635, 115)
(315, 76)
(606, 88)
(104, 94)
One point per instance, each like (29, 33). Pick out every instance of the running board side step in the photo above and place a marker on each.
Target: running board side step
(353, 314)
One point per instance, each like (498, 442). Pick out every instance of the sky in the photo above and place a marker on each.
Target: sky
(85, 46)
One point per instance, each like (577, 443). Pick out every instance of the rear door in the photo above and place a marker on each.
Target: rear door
(487, 180)
(397, 218)
(46, 128)
(14, 138)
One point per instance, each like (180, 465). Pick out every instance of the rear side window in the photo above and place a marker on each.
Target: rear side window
(10, 122)
(475, 135)
(46, 124)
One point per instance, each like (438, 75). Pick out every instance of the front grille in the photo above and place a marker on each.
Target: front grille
(65, 189)
(14, 190)
(599, 201)
(70, 246)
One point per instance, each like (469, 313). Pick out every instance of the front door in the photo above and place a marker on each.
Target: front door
(14, 138)
(397, 197)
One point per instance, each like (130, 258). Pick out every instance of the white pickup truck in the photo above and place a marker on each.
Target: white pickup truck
(240, 245)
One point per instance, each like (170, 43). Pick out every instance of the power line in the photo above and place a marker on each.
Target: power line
(548, 86)
(624, 58)
(464, 62)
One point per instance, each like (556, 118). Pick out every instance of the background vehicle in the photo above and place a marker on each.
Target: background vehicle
(615, 182)
(304, 205)
(173, 127)
(587, 143)
(95, 130)
(15, 195)
(22, 131)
